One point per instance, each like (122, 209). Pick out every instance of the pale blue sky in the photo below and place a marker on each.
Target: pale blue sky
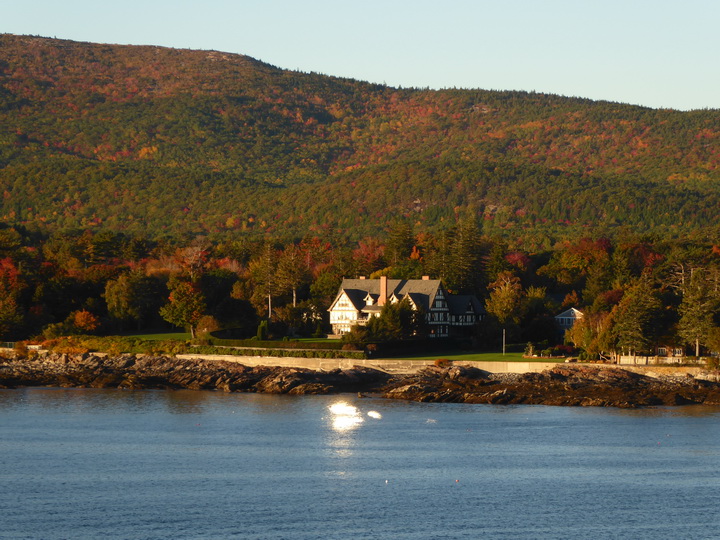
(658, 53)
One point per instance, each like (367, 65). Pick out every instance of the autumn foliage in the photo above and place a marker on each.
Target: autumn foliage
(155, 141)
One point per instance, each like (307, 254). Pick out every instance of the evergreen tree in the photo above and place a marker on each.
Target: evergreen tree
(10, 317)
(635, 318)
(400, 243)
(697, 309)
(396, 321)
(494, 262)
(440, 256)
(466, 256)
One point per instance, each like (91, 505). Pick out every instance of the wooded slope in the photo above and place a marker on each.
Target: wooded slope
(161, 141)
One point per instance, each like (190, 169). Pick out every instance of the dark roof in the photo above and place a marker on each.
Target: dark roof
(418, 299)
(356, 296)
(460, 304)
(422, 291)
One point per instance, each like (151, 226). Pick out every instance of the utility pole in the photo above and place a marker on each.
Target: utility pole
(503, 342)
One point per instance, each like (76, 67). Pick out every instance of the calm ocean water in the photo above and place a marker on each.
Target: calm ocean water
(80, 463)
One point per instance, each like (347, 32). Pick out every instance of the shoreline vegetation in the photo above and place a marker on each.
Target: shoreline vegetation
(563, 385)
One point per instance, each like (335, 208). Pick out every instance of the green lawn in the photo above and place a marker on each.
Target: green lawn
(177, 336)
(480, 357)
(454, 355)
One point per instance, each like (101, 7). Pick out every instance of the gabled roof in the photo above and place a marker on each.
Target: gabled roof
(460, 304)
(417, 299)
(356, 297)
(423, 291)
(372, 297)
(571, 313)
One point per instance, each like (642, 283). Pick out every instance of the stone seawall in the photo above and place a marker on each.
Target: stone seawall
(388, 365)
(674, 371)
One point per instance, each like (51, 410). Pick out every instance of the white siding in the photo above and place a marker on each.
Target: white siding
(343, 315)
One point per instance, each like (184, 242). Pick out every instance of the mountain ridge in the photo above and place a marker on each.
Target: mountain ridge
(153, 140)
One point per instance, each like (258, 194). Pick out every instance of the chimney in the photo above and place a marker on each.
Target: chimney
(382, 300)
(426, 278)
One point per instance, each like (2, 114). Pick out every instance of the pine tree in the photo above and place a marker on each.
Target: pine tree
(465, 271)
(494, 262)
(400, 243)
(439, 257)
(396, 321)
(697, 309)
(635, 318)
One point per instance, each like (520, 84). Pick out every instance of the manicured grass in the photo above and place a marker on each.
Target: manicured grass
(176, 336)
(480, 357)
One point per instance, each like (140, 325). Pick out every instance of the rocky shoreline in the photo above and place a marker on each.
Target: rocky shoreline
(568, 385)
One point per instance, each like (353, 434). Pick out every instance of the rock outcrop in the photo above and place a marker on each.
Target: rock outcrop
(143, 372)
(575, 385)
(562, 385)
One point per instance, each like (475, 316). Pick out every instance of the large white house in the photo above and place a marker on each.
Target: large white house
(446, 314)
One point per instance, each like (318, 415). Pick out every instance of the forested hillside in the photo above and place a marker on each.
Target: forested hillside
(165, 142)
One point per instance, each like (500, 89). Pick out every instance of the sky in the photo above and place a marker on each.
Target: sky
(656, 53)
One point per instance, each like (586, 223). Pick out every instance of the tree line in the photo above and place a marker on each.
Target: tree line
(637, 293)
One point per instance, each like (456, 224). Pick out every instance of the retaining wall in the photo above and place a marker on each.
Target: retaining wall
(388, 365)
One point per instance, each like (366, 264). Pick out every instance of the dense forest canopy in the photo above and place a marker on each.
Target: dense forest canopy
(163, 142)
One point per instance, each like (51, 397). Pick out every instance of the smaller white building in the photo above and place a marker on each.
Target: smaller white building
(568, 318)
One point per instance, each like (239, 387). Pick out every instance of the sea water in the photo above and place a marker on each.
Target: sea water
(83, 463)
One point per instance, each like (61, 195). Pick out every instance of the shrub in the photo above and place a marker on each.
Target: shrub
(254, 342)
(262, 331)
(21, 349)
(207, 324)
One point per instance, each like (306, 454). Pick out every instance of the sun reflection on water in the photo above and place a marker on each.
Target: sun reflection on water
(345, 417)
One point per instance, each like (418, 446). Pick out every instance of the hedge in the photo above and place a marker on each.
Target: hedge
(255, 343)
